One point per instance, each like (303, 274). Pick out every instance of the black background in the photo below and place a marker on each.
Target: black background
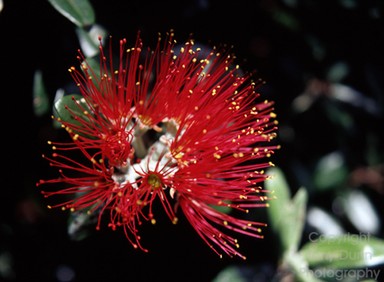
(35, 36)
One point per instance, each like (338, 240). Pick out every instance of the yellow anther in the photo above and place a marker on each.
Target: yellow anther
(217, 156)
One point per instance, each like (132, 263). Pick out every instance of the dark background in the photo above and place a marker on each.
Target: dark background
(280, 41)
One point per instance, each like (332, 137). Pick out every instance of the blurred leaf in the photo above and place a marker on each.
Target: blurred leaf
(324, 221)
(80, 225)
(297, 213)
(67, 109)
(290, 227)
(287, 216)
(7, 262)
(286, 19)
(337, 72)
(40, 96)
(294, 263)
(229, 274)
(279, 188)
(330, 171)
(319, 50)
(79, 12)
(344, 251)
(349, 4)
(339, 116)
(351, 97)
(58, 95)
(89, 39)
(94, 65)
(373, 155)
(361, 212)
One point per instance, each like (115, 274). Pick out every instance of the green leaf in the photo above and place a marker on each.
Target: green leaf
(67, 109)
(344, 251)
(287, 217)
(290, 227)
(337, 72)
(79, 12)
(89, 40)
(40, 96)
(286, 19)
(330, 171)
(80, 225)
(278, 187)
(360, 211)
(297, 213)
(372, 150)
(229, 274)
(94, 65)
(339, 116)
(295, 263)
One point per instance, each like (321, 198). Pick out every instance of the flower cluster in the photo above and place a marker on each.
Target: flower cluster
(170, 125)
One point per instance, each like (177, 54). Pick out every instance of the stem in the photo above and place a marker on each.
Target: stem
(294, 268)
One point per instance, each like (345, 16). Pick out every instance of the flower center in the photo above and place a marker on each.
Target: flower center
(154, 180)
(146, 120)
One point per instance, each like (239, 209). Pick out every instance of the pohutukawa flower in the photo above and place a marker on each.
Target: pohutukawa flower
(169, 125)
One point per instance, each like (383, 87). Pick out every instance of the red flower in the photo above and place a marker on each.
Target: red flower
(173, 125)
